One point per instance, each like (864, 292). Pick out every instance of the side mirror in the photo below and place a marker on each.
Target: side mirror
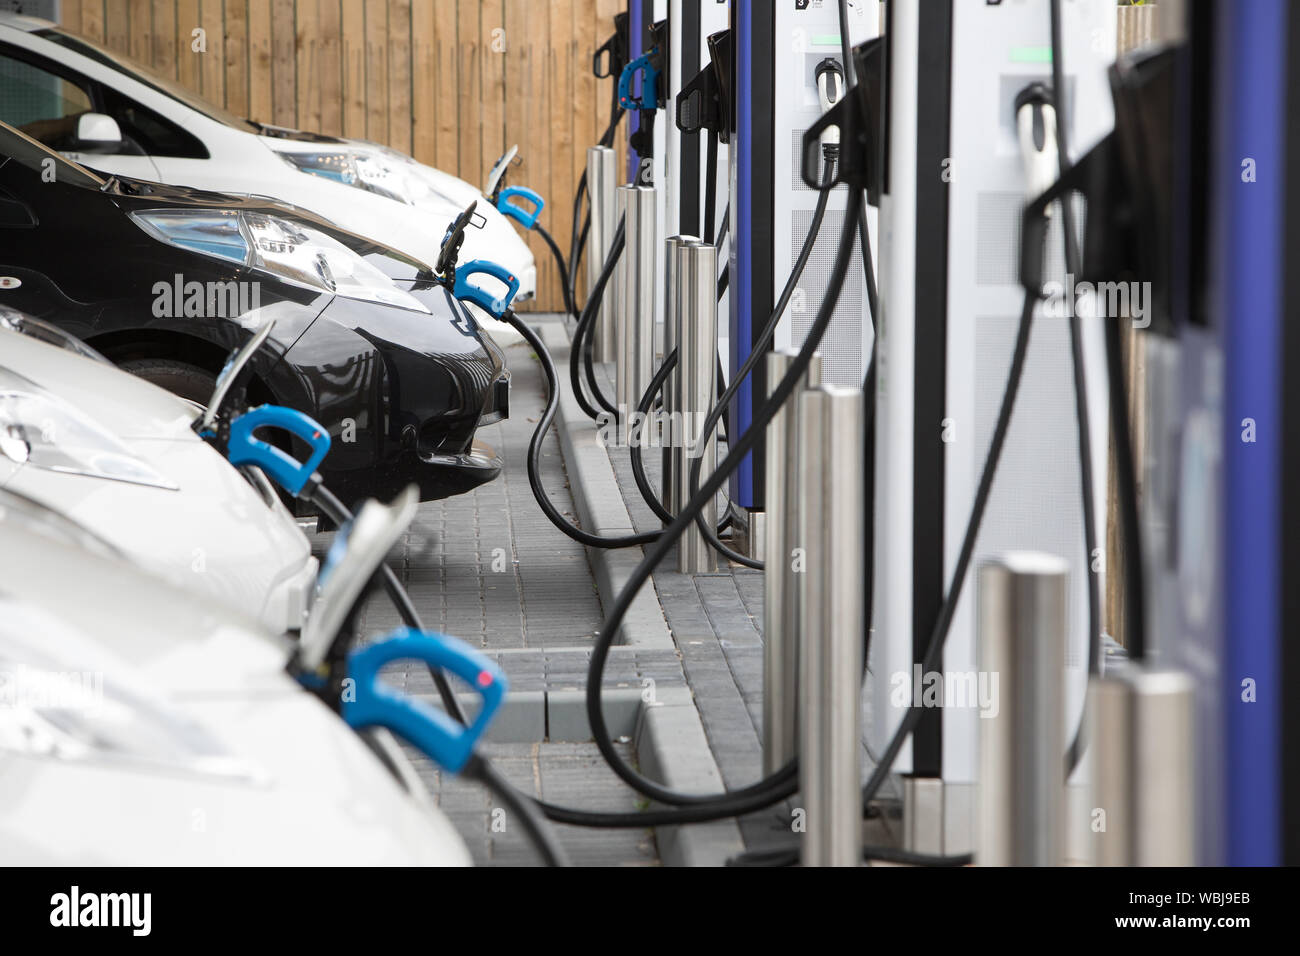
(97, 133)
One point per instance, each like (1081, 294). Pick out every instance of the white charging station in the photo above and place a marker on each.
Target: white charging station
(954, 188)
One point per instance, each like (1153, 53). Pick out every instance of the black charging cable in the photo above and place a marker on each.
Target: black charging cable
(1073, 265)
(524, 807)
(580, 349)
(656, 552)
(316, 493)
(756, 354)
(1126, 492)
(579, 235)
(943, 623)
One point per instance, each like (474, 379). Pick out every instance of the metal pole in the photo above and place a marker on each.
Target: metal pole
(1020, 690)
(696, 308)
(672, 321)
(636, 335)
(830, 662)
(601, 177)
(781, 616)
(1144, 770)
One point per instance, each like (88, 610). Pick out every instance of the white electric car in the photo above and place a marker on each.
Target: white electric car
(140, 725)
(105, 111)
(119, 456)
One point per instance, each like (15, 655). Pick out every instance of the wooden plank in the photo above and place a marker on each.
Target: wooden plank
(561, 104)
(540, 111)
(518, 51)
(140, 14)
(308, 66)
(424, 92)
(284, 65)
(495, 46)
(331, 66)
(399, 75)
(164, 37)
(212, 64)
(117, 25)
(377, 70)
(92, 20)
(585, 106)
(354, 68)
(70, 15)
(187, 58)
(444, 44)
(236, 57)
(469, 85)
(260, 100)
(520, 118)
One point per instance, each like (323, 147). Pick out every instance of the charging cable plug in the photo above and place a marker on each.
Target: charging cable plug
(1036, 130)
(830, 90)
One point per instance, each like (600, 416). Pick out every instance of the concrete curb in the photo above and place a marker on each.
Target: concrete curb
(670, 741)
(600, 504)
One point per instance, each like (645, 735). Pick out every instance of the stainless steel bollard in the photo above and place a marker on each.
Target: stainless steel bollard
(672, 320)
(1022, 629)
(696, 308)
(601, 180)
(830, 660)
(1144, 768)
(781, 616)
(636, 331)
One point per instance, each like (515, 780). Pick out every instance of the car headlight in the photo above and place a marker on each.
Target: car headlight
(53, 709)
(287, 249)
(372, 172)
(41, 430)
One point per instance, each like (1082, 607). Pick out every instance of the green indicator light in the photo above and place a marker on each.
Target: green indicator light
(1031, 54)
(826, 39)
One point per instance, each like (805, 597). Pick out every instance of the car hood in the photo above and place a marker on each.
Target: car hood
(126, 406)
(451, 188)
(437, 198)
(266, 768)
(210, 533)
(81, 606)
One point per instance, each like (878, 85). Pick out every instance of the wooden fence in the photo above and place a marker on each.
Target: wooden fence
(453, 82)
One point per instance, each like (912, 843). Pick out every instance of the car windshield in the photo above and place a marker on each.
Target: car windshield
(142, 74)
(25, 150)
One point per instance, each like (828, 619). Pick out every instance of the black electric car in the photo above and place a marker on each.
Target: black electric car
(165, 281)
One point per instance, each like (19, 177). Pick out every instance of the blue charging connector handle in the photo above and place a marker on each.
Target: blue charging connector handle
(517, 212)
(245, 448)
(496, 305)
(378, 704)
(649, 84)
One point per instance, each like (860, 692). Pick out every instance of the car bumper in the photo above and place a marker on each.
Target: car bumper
(402, 394)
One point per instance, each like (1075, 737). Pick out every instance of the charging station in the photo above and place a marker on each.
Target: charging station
(954, 185)
(776, 52)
